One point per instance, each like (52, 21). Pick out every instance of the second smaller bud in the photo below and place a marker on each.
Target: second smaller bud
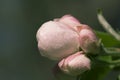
(75, 64)
(89, 42)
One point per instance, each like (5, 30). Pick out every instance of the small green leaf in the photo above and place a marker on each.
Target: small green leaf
(107, 39)
(105, 58)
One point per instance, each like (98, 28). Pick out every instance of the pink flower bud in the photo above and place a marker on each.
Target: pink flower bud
(62, 37)
(57, 40)
(75, 64)
(70, 21)
(89, 42)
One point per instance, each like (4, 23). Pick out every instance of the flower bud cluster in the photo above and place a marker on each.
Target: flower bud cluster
(62, 39)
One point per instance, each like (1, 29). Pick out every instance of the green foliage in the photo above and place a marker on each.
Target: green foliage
(107, 39)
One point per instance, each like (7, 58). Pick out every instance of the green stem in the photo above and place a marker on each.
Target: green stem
(113, 52)
(113, 63)
(110, 52)
(107, 26)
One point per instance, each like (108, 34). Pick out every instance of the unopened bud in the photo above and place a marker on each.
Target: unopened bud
(89, 42)
(75, 64)
(70, 21)
(57, 40)
(62, 37)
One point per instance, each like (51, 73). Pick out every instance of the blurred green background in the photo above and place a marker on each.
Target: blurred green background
(19, 22)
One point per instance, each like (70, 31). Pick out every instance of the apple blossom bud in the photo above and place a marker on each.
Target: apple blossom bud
(75, 64)
(89, 42)
(57, 40)
(62, 37)
(70, 21)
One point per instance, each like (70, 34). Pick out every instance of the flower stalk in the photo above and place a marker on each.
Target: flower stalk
(106, 25)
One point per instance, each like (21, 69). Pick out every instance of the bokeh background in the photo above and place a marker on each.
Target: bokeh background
(19, 22)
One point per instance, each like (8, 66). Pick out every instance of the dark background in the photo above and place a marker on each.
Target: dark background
(19, 22)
